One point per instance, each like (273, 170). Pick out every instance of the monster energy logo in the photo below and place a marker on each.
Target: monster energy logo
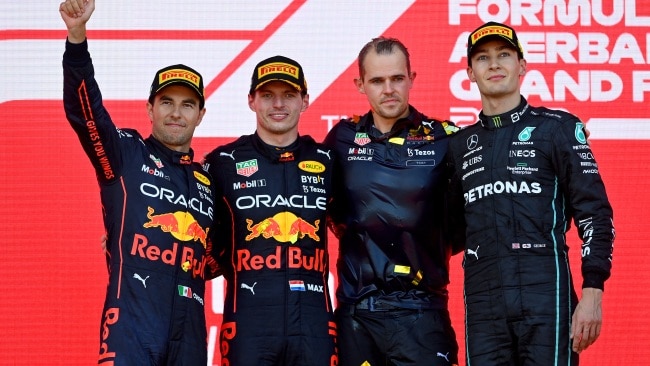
(497, 121)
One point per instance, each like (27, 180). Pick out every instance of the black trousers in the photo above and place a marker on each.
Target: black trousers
(384, 335)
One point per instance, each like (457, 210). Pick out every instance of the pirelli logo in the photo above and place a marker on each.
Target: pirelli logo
(490, 31)
(277, 67)
(179, 74)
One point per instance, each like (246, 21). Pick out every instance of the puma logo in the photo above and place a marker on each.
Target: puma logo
(243, 285)
(473, 252)
(428, 124)
(143, 280)
(226, 154)
(445, 356)
(324, 153)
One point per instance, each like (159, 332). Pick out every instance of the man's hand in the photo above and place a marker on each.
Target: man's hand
(75, 14)
(587, 319)
(103, 240)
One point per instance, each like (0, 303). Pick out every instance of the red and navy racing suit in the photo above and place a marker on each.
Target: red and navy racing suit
(271, 217)
(393, 264)
(158, 208)
(522, 176)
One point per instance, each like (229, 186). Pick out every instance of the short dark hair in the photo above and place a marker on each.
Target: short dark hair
(383, 46)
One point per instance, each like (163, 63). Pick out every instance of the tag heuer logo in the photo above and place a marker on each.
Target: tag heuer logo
(247, 168)
(361, 138)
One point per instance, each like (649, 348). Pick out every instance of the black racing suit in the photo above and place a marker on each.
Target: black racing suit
(522, 176)
(271, 217)
(394, 258)
(157, 208)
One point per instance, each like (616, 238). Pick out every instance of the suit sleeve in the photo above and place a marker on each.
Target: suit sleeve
(455, 227)
(588, 204)
(222, 236)
(337, 207)
(84, 110)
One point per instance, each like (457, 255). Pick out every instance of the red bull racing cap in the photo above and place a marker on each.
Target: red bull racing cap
(181, 75)
(491, 30)
(278, 68)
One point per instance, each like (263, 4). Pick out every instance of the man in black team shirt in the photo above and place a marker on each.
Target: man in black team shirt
(388, 215)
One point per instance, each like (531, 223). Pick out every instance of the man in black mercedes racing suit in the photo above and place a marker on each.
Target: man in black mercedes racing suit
(157, 209)
(272, 191)
(393, 266)
(522, 174)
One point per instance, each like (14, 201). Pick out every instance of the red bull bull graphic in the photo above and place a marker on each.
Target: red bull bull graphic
(195, 231)
(267, 228)
(283, 227)
(181, 225)
(300, 228)
(186, 160)
(286, 156)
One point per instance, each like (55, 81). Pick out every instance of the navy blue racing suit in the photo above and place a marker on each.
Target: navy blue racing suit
(157, 209)
(271, 216)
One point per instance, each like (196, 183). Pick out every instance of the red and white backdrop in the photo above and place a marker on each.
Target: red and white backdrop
(589, 57)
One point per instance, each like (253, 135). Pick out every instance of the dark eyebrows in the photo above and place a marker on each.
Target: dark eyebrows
(192, 101)
(288, 90)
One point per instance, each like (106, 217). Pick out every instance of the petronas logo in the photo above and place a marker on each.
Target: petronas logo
(526, 133)
(580, 133)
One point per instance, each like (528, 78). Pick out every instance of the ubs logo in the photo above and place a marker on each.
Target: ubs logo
(472, 161)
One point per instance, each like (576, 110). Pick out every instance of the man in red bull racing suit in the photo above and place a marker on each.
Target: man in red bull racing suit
(157, 209)
(272, 191)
